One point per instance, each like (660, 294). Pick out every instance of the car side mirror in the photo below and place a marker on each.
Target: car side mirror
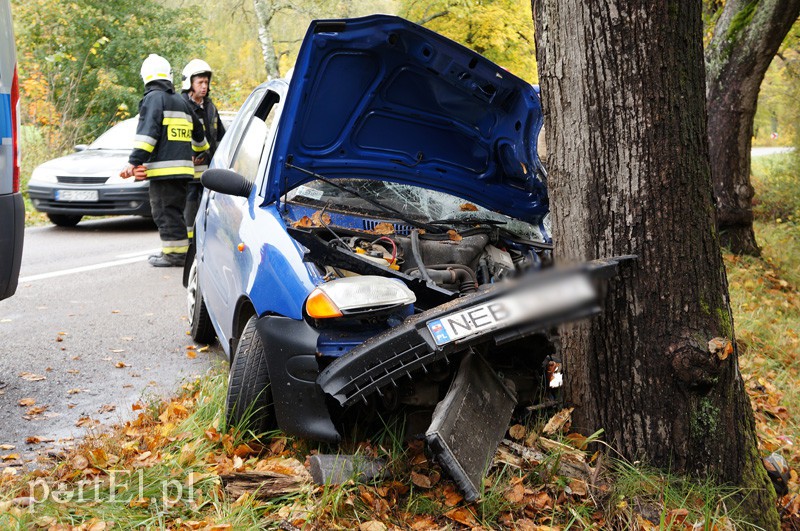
(226, 182)
(81, 147)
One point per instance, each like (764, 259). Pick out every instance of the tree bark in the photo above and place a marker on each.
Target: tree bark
(265, 10)
(624, 98)
(746, 38)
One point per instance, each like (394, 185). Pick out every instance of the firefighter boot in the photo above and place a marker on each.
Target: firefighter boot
(168, 260)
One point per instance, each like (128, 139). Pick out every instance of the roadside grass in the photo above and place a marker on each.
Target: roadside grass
(34, 150)
(164, 468)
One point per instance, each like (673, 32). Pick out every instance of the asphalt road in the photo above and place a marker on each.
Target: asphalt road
(103, 327)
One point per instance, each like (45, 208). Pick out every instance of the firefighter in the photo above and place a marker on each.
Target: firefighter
(196, 85)
(168, 138)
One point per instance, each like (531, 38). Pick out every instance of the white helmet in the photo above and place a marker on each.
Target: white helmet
(194, 68)
(155, 67)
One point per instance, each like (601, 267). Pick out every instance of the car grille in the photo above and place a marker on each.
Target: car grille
(403, 230)
(68, 179)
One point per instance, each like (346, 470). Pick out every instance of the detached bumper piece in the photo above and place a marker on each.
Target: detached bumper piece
(501, 313)
(469, 423)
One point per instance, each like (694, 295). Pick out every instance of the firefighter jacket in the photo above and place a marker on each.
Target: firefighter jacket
(168, 134)
(212, 126)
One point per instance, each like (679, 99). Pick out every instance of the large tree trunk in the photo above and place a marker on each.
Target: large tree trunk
(746, 38)
(624, 99)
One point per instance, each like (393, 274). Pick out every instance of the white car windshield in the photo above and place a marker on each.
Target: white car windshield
(119, 137)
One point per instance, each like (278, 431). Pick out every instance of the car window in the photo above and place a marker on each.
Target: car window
(232, 136)
(119, 137)
(251, 147)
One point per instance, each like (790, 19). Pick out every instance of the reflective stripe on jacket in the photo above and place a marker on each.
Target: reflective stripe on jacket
(168, 134)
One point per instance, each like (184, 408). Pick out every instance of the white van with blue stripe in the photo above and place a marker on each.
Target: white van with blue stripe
(12, 208)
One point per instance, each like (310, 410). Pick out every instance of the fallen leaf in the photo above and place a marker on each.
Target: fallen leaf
(74, 391)
(86, 422)
(121, 365)
(463, 516)
(319, 219)
(191, 354)
(420, 480)
(25, 402)
(372, 525)
(79, 462)
(303, 222)
(676, 517)
(515, 494)
(7, 446)
(383, 228)
(36, 439)
(9, 457)
(454, 236)
(468, 207)
(29, 376)
(107, 408)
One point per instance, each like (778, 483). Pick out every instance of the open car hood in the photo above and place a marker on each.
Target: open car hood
(380, 97)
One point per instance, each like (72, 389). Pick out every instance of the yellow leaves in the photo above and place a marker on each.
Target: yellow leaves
(26, 402)
(462, 515)
(31, 377)
(454, 235)
(383, 228)
(720, 347)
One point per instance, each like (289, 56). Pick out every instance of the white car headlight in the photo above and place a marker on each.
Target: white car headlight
(43, 175)
(355, 295)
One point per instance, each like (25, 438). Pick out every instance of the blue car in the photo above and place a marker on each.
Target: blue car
(374, 238)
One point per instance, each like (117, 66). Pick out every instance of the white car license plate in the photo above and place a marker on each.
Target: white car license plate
(77, 195)
(527, 304)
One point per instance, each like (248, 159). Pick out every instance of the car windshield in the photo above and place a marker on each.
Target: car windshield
(119, 137)
(421, 204)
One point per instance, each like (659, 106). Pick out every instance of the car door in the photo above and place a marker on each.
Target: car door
(227, 269)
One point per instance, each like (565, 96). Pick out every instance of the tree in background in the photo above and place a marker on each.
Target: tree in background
(746, 36)
(84, 58)
(283, 23)
(501, 30)
(623, 85)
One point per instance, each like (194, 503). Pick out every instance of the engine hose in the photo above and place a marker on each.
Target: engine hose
(423, 271)
(464, 275)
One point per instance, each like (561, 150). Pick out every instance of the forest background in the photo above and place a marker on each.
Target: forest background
(79, 61)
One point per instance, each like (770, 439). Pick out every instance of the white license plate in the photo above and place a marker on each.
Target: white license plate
(527, 304)
(77, 195)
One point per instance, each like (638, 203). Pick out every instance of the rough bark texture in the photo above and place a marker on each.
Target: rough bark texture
(265, 10)
(623, 90)
(746, 38)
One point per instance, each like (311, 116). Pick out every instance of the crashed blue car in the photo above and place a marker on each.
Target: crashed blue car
(374, 238)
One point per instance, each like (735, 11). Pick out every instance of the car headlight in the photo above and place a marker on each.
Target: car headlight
(43, 175)
(353, 295)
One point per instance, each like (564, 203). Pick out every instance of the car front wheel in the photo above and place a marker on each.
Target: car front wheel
(65, 220)
(249, 404)
(199, 321)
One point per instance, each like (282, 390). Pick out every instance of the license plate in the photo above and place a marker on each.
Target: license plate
(77, 195)
(527, 304)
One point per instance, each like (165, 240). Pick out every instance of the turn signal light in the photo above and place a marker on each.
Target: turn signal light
(320, 306)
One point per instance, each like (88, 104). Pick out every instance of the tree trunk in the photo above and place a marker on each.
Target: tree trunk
(624, 99)
(746, 38)
(265, 10)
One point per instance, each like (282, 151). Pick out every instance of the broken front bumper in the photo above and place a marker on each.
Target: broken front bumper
(500, 314)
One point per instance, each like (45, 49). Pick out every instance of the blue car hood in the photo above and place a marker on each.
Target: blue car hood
(380, 97)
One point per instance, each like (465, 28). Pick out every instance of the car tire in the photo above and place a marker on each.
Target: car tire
(199, 321)
(249, 404)
(65, 220)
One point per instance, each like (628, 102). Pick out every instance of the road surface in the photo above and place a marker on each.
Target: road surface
(91, 330)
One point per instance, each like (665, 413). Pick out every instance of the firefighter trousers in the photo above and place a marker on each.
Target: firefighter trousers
(167, 202)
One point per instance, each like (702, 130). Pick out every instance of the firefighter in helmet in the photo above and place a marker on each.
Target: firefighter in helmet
(168, 138)
(194, 89)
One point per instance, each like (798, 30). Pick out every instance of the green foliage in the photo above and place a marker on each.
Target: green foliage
(501, 30)
(776, 180)
(83, 58)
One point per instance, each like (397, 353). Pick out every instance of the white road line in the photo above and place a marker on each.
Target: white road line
(82, 269)
(140, 253)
